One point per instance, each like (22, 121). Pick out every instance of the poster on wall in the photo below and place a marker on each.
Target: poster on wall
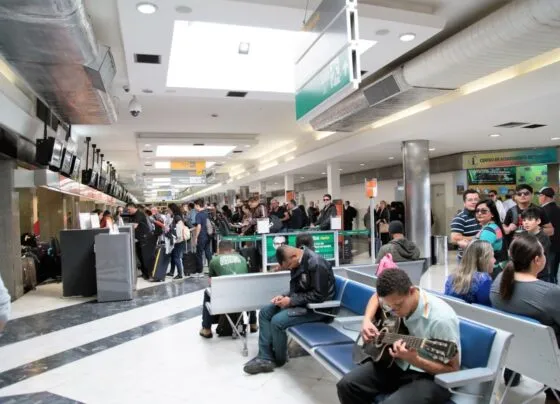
(510, 158)
(325, 244)
(535, 176)
(491, 176)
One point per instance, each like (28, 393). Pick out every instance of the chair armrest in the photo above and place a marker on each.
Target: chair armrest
(208, 291)
(349, 319)
(464, 377)
(327, 304)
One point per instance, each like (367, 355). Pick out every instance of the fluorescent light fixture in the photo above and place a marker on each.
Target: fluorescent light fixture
(340, 169)
(494, 135)
(302, 178)
(324, 173)
(432, 149)
(163, 165)
(146, 8)
(244, 48)
(410, 36)
(362, 164)
(247, 145)
(272, 54)
(391, 158)
(555, 138)
(193, 151)
(269, 165)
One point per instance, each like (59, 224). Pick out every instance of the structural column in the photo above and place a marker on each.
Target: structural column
(244, 193)
(10, 247)
(262, 190)
(416, 169)
(333, 179)
(231, 195)
(289, 190)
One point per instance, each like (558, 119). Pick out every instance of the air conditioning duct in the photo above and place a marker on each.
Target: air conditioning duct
(516, 32)
(52, 45)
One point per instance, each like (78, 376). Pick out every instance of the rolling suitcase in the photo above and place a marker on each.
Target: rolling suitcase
(189, 262)
(161, 264)
(253, 257)
(29, 273)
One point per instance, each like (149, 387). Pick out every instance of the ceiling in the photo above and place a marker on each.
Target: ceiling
(267, 117)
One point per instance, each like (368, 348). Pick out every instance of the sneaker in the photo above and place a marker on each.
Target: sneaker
(178, 277)
(258, 365)
(205, 333)
(254, 328)
(169, 274)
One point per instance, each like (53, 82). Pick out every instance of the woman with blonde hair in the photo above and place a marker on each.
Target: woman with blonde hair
(471, 281)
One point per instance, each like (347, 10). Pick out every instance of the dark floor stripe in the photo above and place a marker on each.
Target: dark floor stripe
(43, 323)
(43, 397)
(43, 365)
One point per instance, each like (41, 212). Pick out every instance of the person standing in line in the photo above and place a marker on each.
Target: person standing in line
(202, 239)
(350, 213)
(144, 248)
(464, 226)
(546, 200)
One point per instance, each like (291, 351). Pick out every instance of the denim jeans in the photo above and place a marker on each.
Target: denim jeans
(273, 341)
(207, 317)
(177, 257)
(203, 247)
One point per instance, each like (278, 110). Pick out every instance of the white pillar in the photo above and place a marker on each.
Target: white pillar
(333, 180)
(262, 189)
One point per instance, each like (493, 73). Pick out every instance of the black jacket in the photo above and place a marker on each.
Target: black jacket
(313, 281)
(553, 212)
(324, 220)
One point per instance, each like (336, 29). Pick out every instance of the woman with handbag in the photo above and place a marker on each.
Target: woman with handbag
(382, 222)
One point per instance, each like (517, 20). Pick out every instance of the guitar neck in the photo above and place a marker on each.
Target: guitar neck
(409, 340)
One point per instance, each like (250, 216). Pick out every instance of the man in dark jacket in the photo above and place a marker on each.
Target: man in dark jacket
(400, 248)
(312, 281)
(546, 200)
(145, 243)
(328, 211)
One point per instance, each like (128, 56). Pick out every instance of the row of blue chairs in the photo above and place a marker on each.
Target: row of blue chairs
(483, 348)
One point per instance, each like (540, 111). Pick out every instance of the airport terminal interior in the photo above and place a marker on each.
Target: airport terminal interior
(209, 201)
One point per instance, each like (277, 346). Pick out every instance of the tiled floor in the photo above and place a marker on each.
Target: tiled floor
(150, 352)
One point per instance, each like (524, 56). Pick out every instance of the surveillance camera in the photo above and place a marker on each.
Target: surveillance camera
(135, 108)
(126, 89)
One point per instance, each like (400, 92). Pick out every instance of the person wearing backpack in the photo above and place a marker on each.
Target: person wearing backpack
(181, 234)
(203, 237)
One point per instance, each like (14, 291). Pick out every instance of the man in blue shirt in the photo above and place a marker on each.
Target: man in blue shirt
(465, 226)
(202, 239)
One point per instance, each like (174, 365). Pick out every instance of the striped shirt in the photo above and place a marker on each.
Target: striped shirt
(465, 223)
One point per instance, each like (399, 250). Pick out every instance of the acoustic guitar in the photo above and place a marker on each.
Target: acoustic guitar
(391, 329)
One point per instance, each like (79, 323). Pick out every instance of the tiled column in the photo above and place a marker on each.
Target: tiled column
(10, 247)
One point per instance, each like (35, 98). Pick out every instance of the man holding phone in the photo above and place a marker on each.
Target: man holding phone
(312, 281)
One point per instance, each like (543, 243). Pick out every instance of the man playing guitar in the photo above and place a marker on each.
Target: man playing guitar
(410, 379)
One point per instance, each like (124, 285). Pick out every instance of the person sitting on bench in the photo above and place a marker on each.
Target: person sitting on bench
(227, 262)
(312, 281)
(410, 379)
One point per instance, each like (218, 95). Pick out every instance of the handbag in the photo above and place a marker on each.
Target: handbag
(383, 227)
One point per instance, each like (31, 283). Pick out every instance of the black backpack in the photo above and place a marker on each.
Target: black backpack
(275, 224)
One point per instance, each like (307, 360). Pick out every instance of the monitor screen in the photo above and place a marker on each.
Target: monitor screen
(76, 167)
(56, 158)
(66, 162)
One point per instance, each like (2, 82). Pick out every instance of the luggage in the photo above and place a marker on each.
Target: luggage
(224, 327)
(189, 263)
(29, 273)
(161, 263)
(253, 257)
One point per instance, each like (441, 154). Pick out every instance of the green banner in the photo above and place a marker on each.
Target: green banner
(362, 232)
(324, 244)
(237, 239)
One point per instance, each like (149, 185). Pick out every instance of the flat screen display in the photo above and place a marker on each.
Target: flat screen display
(491, 176)
(56, 159)
(76, 167)
(66, 162)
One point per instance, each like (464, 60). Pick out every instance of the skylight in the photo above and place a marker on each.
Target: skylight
(206, 55)
(193, 151)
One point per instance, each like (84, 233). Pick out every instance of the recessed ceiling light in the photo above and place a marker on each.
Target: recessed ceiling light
(324, 173)
(302, 178)
(494, 135)
(244, 48)
(391, 158)
(146, 8)
(407, 37)
(183, 9)
(148, 145)
(340, 169)
(362, 164)
(275, 183)
(193, 151)
(431, 149)
(247, 145)
(555, 138)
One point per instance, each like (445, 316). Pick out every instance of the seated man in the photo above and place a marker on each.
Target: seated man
(400, 248)
(227, 262)
(411, 378)
(4, 305)
(312, 281)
